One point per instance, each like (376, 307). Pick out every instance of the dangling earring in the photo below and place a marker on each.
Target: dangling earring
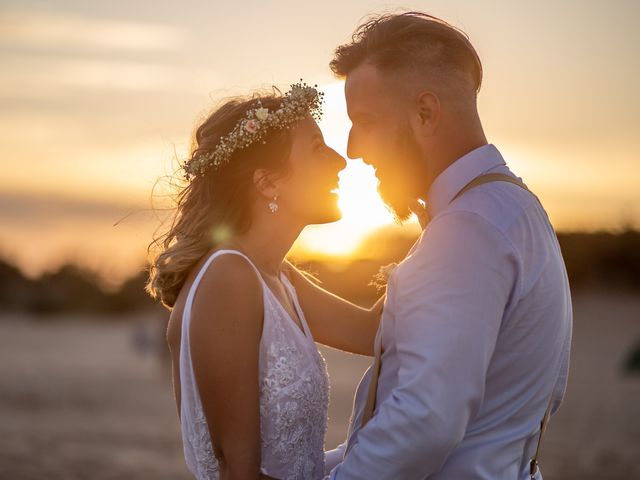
(273, 206)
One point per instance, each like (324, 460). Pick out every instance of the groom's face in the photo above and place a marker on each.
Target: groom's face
(381, 136)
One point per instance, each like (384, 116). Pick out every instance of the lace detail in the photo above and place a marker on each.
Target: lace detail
(295, 390)
(294, 398)
(200, 441)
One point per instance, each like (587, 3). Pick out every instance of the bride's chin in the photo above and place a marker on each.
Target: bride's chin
(329, 216)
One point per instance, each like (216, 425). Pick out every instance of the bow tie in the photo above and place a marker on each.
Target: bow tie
(421, 212)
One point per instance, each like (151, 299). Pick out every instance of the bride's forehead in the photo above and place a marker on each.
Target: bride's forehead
(306, 130)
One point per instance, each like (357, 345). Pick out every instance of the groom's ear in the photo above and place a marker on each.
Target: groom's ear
(428, 112)
(266, 183)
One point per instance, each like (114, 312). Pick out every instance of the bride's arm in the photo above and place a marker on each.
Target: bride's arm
(333, 320)
(225, 330)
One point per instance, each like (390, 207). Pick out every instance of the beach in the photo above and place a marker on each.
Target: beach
(90, 398)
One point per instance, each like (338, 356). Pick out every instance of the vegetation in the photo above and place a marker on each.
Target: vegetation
(594, 260)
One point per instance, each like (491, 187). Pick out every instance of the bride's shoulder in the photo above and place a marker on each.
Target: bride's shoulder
(228, 279)
(228, 308)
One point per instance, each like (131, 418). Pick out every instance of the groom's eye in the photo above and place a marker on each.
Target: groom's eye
(364, 124)
(362, 120)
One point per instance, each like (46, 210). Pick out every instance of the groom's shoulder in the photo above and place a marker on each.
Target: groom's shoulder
(454, 233)
(499, 204)
(488, 212)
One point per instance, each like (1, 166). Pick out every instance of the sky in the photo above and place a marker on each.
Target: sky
(98, 99)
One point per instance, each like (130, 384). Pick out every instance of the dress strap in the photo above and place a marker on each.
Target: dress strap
(194, 286)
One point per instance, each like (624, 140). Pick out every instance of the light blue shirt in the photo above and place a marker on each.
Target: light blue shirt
(476, 335)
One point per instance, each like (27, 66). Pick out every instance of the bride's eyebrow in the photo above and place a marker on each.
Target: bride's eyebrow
(317, 136)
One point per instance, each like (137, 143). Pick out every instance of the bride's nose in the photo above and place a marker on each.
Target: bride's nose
(339, 161)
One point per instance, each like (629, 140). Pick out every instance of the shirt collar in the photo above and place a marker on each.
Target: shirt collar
(457, 175)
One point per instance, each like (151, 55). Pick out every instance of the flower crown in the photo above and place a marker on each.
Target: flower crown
(298, 103)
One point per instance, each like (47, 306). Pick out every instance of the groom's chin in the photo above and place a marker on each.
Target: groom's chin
(400, 214)
(398, 206)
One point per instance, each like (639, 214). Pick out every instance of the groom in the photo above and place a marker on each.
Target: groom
(473, 345)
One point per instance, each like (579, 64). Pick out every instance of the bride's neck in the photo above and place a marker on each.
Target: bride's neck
(267, 242)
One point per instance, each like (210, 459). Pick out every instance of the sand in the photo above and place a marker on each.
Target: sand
(78, 401)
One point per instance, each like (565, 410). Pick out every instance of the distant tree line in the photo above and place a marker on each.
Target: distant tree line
(602, 259)
(70, 289)
(594, 260)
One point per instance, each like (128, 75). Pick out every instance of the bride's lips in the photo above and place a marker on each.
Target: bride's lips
(334, 188)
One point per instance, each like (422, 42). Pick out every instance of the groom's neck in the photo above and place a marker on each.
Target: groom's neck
(452, 144)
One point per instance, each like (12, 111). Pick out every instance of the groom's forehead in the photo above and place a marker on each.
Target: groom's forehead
(364, 87)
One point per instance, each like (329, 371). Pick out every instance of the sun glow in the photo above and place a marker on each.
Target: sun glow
(362, 208)
(362, 212)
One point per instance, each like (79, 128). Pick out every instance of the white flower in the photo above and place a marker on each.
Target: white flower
(262, 113)
(386, 270)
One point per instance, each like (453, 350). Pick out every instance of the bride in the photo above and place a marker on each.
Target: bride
(250, 385)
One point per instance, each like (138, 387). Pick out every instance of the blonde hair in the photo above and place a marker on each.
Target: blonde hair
(217, 204)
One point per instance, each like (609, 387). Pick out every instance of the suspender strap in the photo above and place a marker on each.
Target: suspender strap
(490, 177)
(533, 465)
(373, 386)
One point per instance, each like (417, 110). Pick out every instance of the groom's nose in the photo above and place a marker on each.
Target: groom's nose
(353, 149)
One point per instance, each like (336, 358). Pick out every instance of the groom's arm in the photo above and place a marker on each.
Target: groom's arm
(447, 302)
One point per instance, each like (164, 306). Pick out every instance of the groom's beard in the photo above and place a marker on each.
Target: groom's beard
(398, 184)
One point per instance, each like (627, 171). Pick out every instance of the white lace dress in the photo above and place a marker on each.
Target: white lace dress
(294, 394)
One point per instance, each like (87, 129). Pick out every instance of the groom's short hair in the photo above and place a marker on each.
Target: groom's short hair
(411, 41)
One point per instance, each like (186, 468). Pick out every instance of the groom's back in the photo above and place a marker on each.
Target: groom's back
(531, 354)
(476, 334)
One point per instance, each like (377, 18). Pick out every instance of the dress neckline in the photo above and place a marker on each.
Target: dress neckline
(303, 328)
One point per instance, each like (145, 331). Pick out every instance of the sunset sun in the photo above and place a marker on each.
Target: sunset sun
(362, 212)
(362, 209)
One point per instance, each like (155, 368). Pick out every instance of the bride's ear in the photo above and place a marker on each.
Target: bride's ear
(265, 182)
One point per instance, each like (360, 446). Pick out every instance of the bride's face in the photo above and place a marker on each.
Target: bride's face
(307, 192)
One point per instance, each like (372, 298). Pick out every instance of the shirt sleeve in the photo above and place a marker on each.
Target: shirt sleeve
(334, 457)
(448, 301)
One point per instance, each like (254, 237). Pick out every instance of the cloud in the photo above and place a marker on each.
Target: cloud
(50, 75)
(48, 30)
(16, 208)
(47, 55)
